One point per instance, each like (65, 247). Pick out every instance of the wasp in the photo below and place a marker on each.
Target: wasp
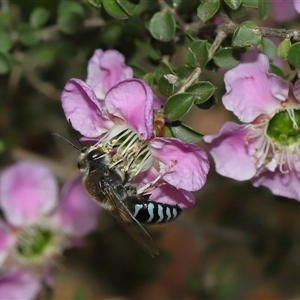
(111, 190)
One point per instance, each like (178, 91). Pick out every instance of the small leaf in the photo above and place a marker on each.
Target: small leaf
(184, 71)
(165, 87)
(211, 102)
(162, 70)
(162, 26)
(268, 48)
(245, 35)
(5, 63)
(39, 17)
(283, 48)
(70, 23)
(198, 54)
(264, 9)
(5, 41)
(114, 9)
(202, 91)
(28, 35)
(251, 3)
(207, 9)
(185, 133)
(94, 3)
(293, 55)
(67, 6)
(178, 106)
(233, 4)
(152, 51)
(149, 78)
(277, 71)
(227, 58)
(128, 6)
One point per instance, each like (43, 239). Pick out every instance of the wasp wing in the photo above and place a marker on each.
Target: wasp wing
(121, 213)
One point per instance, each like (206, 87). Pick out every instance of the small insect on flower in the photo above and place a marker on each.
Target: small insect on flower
(110, 189)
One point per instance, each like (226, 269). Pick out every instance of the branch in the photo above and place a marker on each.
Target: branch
(228, 27)
(173, 12)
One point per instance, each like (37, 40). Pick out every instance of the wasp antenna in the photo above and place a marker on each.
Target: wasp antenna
(69, 142)
(74, 133)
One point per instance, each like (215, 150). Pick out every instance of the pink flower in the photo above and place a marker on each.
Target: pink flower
(17, 283)
(285, 10)
(265, 148)
(129, 128)
(38, 224)
(105, 69)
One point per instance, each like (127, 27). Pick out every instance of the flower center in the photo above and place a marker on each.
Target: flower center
(36, 244)
(277, 141)
(283, 127)
(128, 153)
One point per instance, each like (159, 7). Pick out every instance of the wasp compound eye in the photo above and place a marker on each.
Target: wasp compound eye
(95, 155)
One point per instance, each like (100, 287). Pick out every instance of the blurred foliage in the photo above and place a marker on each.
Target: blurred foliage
(237, 242)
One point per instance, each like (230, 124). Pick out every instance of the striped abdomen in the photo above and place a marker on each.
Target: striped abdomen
(150, 212)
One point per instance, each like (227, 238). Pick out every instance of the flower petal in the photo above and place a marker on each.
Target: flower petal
(77, 214)
(296, 90)
(28, 190)
(7, 239)
(297, 6)
(191, 162)
(105, 69)
(170, 195)
(230, 153)
(284, 11)
(251, 90)
(81, 106)
(17, 283)
(132, 101)
(164, 192)
(285, 185)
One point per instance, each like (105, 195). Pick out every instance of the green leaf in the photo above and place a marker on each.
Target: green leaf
(5, 63)
(114, 9)
(166, 79)
(162, 70)
(198, 53)
(39, 17)
(264, 9)
(268, 48)
(5, 41)
(185, 133)
(202, 91)
(245, 35)
(6, 20)
(149, 78)
(112, 34)
(162, 26)
(28, 35)
(283, 48)
(178, 106)
(233, 4)
(70, 23)
(293, 55)
(184, 71)
(251, 3)
(153, 52)
(211, 102)
(227, 57)
(277, 71)
(165, 86)
(127, 6)
(207, 9)
(67, 6)
(94, 3)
